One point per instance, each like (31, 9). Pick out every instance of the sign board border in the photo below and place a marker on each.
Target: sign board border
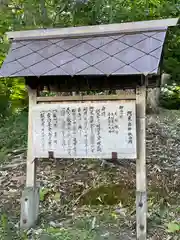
(57, 151)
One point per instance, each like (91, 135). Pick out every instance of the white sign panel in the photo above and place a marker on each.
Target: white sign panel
(85, 130)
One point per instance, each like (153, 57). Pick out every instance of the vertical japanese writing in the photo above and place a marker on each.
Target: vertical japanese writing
(62, 121)
(130, 136)
(49, 123)
(55, 126)
(89, 129)
(103, 111)
(74, 129)
(121, 111)
(116, 123)
(68, 120)
(79, 117)
(42, 117)
(98, 128)
(85, 110)
(92, 138)
(111, 122)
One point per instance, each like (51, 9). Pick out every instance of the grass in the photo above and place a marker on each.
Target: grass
(13, 133)
(90, 224)
(102, 223)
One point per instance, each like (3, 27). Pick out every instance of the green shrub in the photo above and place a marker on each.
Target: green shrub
(4, 106)
(8, 231)
(13, 131)
(170, 96)
(171, 63)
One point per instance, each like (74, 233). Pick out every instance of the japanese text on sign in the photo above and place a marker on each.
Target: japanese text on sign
(85, 130)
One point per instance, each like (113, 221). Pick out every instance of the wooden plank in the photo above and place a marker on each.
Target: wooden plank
(59, 99)
(125, 96)
(141, 194)
(152, 25)
(30, 195)
(31, 162)
(85, 130)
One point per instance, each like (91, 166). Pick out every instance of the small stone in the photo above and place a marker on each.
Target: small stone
(55, 224)
(105, 234)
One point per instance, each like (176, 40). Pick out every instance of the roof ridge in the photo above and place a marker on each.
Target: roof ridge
(95, 30)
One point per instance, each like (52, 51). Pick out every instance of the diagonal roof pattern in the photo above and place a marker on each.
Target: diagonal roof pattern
(137, 53)
(115, 49)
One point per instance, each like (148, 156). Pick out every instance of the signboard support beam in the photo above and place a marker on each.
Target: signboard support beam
(30, 195)
(141, 194)
(75, 98)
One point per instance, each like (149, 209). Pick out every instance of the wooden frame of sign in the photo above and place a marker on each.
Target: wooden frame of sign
(30, 197)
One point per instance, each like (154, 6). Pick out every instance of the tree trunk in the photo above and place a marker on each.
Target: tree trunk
(44, 13)
(165, 78)
(153, 95)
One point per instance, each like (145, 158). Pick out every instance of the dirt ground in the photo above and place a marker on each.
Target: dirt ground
(96, 199)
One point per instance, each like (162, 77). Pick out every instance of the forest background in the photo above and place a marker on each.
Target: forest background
(163, 129)
(33, 14)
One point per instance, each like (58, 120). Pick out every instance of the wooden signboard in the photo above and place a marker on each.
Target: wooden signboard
(85, 130)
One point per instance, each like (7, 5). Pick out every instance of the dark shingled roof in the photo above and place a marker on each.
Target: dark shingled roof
(135, 53)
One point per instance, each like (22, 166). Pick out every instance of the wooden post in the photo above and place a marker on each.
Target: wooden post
(141, 194)
(30, 195)
(31, 163)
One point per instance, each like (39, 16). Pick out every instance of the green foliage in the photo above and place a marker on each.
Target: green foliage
(170, 96)
(43, 192)
(31, 14)
(18, 94)
(25, 14)
(172, 54)
(4, 105)
(69, 234)
(9, 232)
(4, 99)
(173, 227)
(13, 95)
(13, 131)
